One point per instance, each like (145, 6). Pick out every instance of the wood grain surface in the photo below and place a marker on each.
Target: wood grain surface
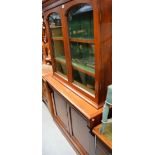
(106, 138)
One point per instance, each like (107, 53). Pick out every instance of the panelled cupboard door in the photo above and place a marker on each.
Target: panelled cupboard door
(81, 132)
(61, 110)
(56, 41)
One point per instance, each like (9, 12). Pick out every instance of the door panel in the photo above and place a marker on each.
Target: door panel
(81, 132)
(61, 109)
(56, 40)
(81, 35)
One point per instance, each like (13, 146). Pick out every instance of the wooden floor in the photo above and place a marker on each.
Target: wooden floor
(53, 142)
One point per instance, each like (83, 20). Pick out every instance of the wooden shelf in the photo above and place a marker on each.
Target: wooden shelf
(60, 60)
(80, 40)
(57, 38)
(55, 27)
(84, 69)
(85, 88)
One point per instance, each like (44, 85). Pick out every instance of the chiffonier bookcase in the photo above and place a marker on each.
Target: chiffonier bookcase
(80, 40)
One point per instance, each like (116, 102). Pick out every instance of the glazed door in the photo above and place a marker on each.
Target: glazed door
(83, 49)
(56, 41)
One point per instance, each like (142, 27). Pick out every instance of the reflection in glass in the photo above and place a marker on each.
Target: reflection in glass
(57, 44)
(55, 25)
(61, 68)
(83, 54)
(58, 47)
(84, 81)
(80, 19)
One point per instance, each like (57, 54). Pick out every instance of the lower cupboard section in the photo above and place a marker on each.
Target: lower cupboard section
(75, 125)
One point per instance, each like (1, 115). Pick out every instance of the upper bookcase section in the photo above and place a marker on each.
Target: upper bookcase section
(80, 41)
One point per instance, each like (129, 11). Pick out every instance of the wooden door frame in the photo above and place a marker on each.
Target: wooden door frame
(47, 14)
(96, 12)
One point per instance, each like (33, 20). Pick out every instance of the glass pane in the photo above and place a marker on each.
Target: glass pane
(80, 19)
(57, 44)
(61, 68)
(55, 25)
(84, 81)
(83, 56)
(58, 48)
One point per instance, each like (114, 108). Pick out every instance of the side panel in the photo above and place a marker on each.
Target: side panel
(106, 46)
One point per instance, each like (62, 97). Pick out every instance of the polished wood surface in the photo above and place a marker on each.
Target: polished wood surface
(106, 138)
(105, 7)
(84, 107)
(52, 4)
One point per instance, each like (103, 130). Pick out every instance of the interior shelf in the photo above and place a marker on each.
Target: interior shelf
(60, 60)
(81, 40)
(84, 69)
(81, 86)
(57, 38)
(55, 27)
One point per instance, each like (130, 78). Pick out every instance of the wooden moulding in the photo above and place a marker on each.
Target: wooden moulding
(52, 4)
